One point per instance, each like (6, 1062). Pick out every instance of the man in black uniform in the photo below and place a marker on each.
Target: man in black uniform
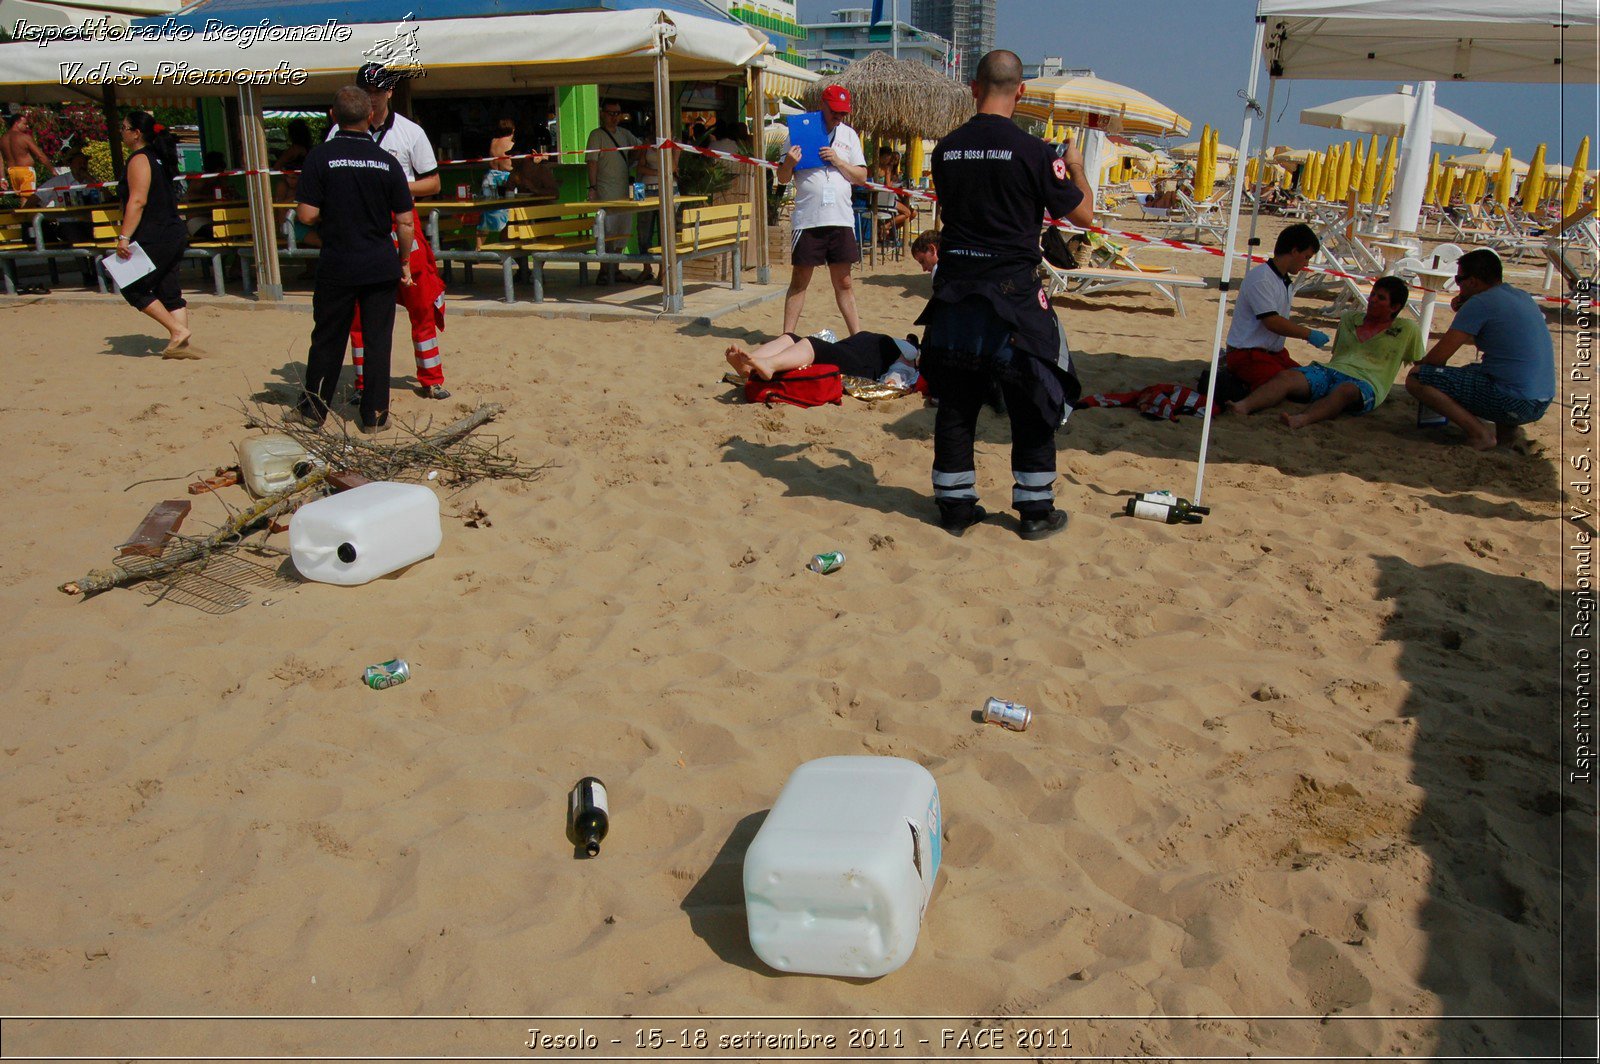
(358, 194)
(989, 322)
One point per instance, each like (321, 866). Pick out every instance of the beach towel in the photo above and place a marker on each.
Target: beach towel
(1159, 401)
(812, 385)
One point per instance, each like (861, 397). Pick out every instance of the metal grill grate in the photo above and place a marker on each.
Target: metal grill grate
(222, 582)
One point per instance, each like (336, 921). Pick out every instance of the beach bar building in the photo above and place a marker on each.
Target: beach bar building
(298, 52)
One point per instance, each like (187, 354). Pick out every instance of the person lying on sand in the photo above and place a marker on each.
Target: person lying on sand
(1368, 351)
(865, 354)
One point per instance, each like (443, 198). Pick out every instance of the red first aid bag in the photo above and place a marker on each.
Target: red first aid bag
(811, 385)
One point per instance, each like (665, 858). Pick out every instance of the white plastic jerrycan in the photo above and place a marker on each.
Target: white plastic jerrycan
(364, 533)
(269, 464)
(836, 880)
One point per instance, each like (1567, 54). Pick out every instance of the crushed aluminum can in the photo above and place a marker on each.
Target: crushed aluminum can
(827, 336)
(826, 562)
(387, 674)
(1007, 714)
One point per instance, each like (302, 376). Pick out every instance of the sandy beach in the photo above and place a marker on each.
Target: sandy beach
(1299, 760)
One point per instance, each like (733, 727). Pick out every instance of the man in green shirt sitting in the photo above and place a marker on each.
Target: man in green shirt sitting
(1367, 353)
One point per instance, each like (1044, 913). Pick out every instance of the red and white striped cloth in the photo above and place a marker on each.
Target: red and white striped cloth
(1159, 401)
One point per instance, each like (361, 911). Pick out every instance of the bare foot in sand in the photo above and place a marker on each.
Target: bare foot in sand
(1294, 421)
(1483, 441)
(740, 360)
(179, 346)
(1233, 407)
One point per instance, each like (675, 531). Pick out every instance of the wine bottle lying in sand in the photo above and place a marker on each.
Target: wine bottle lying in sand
(1175, 512)
(587, 816)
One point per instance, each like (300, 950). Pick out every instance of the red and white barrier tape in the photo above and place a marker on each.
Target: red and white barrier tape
(750, 160)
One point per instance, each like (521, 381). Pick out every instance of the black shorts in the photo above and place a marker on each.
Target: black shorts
(825, 245)
(862, 355)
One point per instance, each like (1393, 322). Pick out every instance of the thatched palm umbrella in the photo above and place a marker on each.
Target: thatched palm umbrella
(898, 100)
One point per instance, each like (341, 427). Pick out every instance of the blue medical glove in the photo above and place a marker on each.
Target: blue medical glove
(1319, 339)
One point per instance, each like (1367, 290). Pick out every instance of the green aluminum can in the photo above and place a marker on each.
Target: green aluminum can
(826, 562)
(387, 674)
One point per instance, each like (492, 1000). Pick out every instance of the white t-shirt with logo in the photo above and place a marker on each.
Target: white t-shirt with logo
(822, 194)
(1262, 293)
(405, 140)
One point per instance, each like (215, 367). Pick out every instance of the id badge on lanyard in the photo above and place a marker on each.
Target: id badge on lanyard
(830, 195)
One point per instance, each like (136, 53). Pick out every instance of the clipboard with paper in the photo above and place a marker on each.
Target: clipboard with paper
(808, 133)
(128, 270)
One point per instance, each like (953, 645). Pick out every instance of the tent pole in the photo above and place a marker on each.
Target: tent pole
(758, 177)
(1261, 164)
(258, 190)
(1250, 106)
(672, 292)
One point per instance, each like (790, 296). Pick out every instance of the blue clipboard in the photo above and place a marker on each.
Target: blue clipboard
(808, 133)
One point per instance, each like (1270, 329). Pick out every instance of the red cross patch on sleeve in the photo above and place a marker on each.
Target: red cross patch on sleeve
(1060, 168)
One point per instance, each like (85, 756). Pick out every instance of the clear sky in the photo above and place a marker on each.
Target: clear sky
(1192, 55)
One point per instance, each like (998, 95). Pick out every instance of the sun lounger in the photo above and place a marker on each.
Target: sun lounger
(1091, 279)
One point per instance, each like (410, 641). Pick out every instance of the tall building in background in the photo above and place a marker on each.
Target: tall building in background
(852, 35)
(967, 24)
(775, 18)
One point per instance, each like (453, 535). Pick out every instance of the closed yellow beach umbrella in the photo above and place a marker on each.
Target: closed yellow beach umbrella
(1251, 168)
(1430, 195)
(1369, 173)
(1574, 193)
(1206, 165)
(1341, 183)
(1447, 185)
(1502, 183)
(1308, 176)
(1533, 184)
(1388, 170)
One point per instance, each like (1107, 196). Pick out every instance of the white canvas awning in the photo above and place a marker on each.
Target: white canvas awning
(498, 54)
(77, 12)
(1433, 40)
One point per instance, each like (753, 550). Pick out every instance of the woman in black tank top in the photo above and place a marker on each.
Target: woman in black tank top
(150, 218)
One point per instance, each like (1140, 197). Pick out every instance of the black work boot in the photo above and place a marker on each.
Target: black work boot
(1040, 526)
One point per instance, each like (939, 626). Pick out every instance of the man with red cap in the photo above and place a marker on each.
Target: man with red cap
(424, 297)
(824, 222)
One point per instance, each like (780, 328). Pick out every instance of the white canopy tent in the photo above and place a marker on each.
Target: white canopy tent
(515, 51)
(488, 54)
(1525, 41)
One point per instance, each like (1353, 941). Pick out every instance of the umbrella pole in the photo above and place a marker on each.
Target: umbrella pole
(1255, 193)
(1227, 259)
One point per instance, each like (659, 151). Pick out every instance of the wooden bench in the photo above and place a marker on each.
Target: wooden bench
(708, 231)
(1087, 282)
(457, 231)
(552, 232)
(232, 233)
(14, 244)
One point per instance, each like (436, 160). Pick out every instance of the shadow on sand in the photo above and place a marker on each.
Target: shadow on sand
(1509, 913)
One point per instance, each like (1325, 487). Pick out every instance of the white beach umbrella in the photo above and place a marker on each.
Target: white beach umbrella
(1484, 160)
(1405, 203)
(1388, 114)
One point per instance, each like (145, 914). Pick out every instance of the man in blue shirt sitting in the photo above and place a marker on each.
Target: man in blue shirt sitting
(1515, 380)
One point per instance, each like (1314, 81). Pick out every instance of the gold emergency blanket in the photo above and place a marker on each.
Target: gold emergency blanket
(868, 390)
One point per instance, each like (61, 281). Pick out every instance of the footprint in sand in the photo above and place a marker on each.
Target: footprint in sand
(1331, 981)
